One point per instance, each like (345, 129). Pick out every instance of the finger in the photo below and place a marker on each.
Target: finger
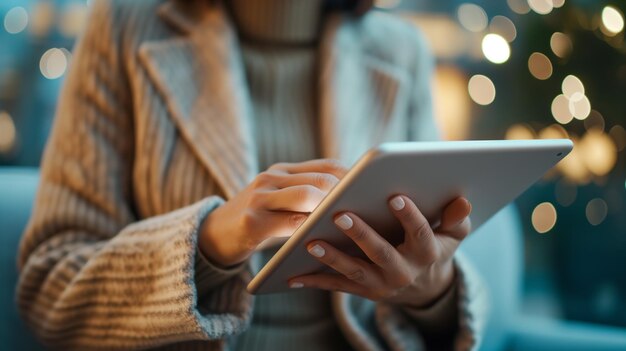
(278, 224)
(419, 236)
(352, 268)
(331, 282)
(299, 198)
(375, 247)
(280, 180)
(455, 220)
(330, 166)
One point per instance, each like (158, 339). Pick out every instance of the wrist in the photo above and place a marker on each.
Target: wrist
(212, 243)
(428, 290)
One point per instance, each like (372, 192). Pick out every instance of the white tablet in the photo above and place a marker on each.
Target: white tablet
(490, 174)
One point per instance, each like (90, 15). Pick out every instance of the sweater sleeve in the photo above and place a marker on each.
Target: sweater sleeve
(92, 274)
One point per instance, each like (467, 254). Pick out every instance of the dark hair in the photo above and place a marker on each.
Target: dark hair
(357, 7)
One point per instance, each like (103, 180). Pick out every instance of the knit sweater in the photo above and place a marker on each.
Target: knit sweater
(153, 131)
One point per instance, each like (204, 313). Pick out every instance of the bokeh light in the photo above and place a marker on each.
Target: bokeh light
(495, 48)
(558, 3)
(579, 106)
(472, 17)
(7, 132)
(572, 85)
(542, 7)
(519, 132)
(618, 134)
(594, 121)
(16, 20)
(596, 211)
(42, 18)
(540, 66)
(565, 192)
(573, 167)
(73, 20)
(612, 21)
(53, 63)
(553, 131)
(598, 151)
(544, 217)
(481, 89)
(560, 109)
(451, 102)
(561, 45)
(504, 27)
(518, 6)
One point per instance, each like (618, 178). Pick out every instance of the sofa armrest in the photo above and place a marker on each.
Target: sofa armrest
(538, 334)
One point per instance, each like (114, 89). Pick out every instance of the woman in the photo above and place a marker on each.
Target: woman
(151, 202)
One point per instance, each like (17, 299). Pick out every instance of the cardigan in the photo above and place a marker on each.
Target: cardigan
(152, 132)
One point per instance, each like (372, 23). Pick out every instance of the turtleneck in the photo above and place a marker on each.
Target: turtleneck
(277, 21)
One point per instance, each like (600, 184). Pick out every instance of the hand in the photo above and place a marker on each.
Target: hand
(414, 273)
(274, 204)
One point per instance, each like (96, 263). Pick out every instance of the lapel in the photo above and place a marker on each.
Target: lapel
(201, 77)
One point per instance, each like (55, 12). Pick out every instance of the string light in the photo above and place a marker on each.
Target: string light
(542, 7)
(472, 17)
(53, 63)
(504, 27)
(561, 45)
(518, 6)
(596, 211)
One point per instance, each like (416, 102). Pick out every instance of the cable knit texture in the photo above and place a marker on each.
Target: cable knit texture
(153, 131)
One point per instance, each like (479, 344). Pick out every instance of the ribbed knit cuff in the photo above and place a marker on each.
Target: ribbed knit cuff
(440, 317)
(209, 275)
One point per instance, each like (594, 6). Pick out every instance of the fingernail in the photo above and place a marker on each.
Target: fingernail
(397, 203)
(317, 250)
(296, 285)
(344, 222)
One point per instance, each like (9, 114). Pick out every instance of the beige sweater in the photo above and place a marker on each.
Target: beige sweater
(152, 133)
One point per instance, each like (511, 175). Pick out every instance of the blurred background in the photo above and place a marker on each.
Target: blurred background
(514, 69)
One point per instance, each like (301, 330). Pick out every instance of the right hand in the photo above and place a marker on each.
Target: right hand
(274, 204)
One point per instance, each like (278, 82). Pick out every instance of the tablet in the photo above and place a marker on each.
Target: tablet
(490, 174)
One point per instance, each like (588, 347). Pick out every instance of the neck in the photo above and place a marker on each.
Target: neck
(277, 21)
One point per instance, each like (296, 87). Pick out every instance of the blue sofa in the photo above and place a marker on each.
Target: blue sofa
(496, 248)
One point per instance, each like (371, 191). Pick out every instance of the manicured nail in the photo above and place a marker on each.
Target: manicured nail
(344, 222)
(397, 203)
(296, 285)
(317, 251)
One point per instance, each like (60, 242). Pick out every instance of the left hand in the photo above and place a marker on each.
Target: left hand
(414, 273)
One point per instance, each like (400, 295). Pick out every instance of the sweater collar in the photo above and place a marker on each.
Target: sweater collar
(277, 21)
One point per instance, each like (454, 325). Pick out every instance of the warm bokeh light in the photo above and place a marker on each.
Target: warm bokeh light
(445, 37)
(504, 27)
(42, 18)
(579, 106)
(542, 7)
(472, 17)
(540, 66)
(553, 131)
(596, 211)
(495, 48)
(451, 102)
(573, 166)
(598, 151)
(519, 132)
(519, 6)
(565, 192)
(544, 217)
(594, 121)
(612, 20)
(560, 109)
(74, 18)
(561, 45)
(572, 85)
(481, 89)
(7, 132)
(618, 134)
(53, 63)
(16, 20)
(558, 3)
